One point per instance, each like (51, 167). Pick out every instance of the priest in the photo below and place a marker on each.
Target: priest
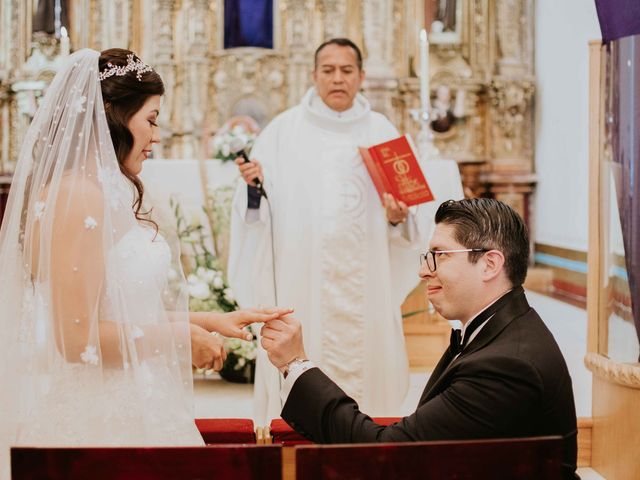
(323, 243)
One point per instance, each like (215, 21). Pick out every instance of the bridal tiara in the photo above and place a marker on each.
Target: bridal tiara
(132, 65)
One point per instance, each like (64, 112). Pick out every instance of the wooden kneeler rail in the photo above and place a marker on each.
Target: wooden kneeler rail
(237, 462)
(533, 458)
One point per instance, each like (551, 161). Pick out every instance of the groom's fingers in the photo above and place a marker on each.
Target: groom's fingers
(269, 333)
(276, 324)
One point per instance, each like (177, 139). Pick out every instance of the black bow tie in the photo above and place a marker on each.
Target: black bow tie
(456, 343)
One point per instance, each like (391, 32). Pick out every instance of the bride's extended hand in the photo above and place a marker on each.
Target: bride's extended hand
(207, 351)
(231, 324)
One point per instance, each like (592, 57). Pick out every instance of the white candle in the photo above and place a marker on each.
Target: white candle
(57, 10)
(424, 71)
(64, 42)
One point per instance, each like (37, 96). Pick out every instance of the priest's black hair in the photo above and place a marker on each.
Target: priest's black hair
(341, 42)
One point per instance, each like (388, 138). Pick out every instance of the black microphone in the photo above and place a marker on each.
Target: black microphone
(237, 146)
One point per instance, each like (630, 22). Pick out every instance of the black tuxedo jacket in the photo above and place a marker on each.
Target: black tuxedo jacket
(510, 381)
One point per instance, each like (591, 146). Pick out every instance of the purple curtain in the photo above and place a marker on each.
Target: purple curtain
(618, 18)
(248, 23)
(625, 111)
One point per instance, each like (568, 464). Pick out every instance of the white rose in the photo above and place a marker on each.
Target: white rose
(199, 291)
(226, 150)
(209, 275)
(192, 279)
(240, 364)
(228, 294)
(218, 283)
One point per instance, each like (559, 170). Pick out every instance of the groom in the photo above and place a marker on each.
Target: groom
(503, 376)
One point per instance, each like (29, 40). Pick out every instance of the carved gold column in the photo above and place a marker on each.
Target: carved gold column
(161, 54)
(381, 83)
(189, 95)
(510, 93)
(300, 41)
(16, 46)
(335, 20)
(116, 24)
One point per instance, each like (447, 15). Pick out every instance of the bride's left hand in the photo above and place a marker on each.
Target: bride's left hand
(232, 324)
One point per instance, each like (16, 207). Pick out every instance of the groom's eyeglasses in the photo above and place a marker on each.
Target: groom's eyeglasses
(430, 256)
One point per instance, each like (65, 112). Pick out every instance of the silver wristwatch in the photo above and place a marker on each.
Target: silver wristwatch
(293, 365)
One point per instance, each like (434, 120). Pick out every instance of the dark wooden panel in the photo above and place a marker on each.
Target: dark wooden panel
(534, 458)
(237, 462)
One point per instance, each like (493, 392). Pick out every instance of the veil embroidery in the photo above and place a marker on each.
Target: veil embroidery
(95, 338)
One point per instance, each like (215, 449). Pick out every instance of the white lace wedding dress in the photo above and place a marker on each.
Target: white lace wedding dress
(85, 404)
(94, 329)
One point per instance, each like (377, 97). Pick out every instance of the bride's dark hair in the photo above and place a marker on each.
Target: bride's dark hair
(123, 96)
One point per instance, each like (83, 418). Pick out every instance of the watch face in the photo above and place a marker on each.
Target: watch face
(295, 365)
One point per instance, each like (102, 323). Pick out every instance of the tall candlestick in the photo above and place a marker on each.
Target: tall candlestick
(64, 42)
(424, 71)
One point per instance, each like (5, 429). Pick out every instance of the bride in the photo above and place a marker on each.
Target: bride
(97, 343)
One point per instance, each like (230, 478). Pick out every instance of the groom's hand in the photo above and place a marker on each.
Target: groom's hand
(282, 339)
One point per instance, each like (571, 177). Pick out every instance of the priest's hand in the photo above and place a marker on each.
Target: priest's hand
(397, 212)
(250, 171)
(282, 339)
(207, 350)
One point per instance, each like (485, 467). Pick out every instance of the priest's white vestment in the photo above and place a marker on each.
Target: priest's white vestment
(338, 262)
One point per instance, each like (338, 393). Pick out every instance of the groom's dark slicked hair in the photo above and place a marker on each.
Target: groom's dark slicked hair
(491, 224)
(341, 42)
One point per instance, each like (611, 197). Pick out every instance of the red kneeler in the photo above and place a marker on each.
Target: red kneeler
(282, 433)
(226, 430)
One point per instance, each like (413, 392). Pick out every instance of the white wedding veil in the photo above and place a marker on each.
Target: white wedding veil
(94, 341)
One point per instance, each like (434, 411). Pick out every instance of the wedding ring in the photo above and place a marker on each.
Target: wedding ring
(215, 334)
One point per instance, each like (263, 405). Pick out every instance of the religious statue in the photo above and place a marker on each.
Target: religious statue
(444, 112)
(440, 15)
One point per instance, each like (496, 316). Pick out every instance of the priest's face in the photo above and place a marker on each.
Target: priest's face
(337, 76)
(456, 287)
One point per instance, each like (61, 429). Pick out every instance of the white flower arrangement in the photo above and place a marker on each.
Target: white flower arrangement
(209, 291)
(244, 351)
(238, 133)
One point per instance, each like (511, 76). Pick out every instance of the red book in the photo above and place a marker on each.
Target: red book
(393, 167)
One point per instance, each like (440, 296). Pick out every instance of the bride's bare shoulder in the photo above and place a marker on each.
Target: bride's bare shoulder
(80, 186)
(80, 194)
